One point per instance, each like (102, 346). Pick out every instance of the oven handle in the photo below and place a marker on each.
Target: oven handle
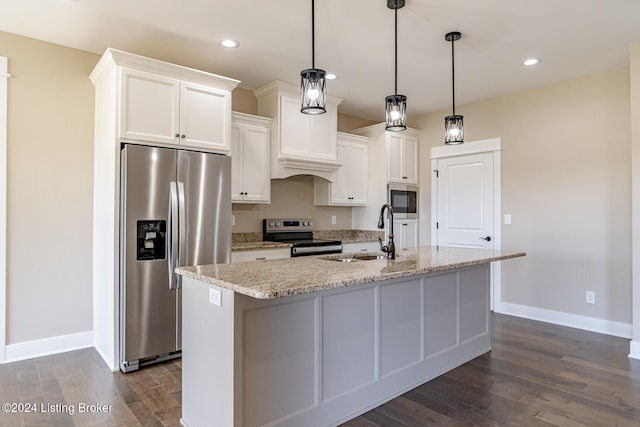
(315, 249)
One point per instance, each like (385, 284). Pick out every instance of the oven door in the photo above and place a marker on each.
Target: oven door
(404, 201)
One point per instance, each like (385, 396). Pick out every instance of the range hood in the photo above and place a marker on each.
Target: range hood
(301, 144)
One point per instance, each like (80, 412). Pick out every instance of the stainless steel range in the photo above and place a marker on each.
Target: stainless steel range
(298, 232)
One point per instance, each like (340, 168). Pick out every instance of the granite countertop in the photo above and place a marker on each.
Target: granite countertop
(267, 279)
(253, 240)
(250, 246)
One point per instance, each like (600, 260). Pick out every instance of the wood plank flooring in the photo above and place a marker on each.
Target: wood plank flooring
(536, 375)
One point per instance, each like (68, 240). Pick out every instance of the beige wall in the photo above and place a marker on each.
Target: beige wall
(566, 183)
(49, 194)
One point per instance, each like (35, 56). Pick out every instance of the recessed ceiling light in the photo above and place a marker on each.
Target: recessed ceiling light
(531, 61)
(229, 43)
(330, 76)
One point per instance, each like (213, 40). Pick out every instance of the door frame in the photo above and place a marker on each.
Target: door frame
(492, 145)
(4, 76)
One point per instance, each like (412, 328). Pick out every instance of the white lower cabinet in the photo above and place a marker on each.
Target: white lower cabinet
(405, 233)
(260, 254)
(250, 139)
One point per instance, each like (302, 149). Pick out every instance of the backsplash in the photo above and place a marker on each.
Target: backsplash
(291, 197)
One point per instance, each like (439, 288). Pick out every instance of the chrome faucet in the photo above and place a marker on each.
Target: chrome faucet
(390, 247)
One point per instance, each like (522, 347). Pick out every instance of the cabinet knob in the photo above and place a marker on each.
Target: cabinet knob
(182, 136)
(177, 135)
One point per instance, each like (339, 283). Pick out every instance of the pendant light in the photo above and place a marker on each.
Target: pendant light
(313, 88)
(453, 127)
(396, 105)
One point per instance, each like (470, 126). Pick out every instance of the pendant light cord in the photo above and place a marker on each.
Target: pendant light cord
(313, 35)
(453, 78)
(396, 51)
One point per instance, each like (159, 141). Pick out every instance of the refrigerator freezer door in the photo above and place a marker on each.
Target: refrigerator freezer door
(147, 306)
(207, 209)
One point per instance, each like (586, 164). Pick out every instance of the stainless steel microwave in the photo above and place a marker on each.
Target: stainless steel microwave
(404, 200)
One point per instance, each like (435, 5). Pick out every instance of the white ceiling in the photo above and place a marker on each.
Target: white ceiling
(354, 38)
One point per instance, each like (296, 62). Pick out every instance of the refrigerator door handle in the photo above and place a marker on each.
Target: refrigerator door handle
(174, 234)
(182, 233)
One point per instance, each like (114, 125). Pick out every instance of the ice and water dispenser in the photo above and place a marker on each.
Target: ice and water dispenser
(151, 240)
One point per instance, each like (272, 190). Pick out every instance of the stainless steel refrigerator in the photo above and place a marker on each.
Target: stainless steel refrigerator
(175, 210)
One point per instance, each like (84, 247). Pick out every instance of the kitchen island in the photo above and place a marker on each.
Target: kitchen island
(315, 341)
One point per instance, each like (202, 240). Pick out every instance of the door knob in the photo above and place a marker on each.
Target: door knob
(488, 238)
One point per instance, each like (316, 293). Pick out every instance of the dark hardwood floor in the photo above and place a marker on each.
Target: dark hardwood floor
(536, 375)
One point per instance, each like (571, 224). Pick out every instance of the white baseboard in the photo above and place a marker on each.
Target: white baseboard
(608, 327)
(634, 350)
(47, 346)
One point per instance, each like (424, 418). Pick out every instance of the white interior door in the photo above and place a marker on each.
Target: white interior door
(465, 201)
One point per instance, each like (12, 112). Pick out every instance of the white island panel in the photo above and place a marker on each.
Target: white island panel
(401, 325)
(441, 326)
(280, 358)
(348, 341)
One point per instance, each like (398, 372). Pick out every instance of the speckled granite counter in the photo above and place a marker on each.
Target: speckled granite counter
(287, 277)
(349, 236)
(253, 241)
(250, 246)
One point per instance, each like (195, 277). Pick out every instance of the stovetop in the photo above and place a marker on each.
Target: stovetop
(297, 231)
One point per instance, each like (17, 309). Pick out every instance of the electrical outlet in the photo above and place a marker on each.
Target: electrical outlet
(333, 219)
(507, 219)
(215, 297)
(591, 297)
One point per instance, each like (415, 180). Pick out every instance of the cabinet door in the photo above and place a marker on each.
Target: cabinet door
(204, 117)
(359, 168)
(341, 188)
(405, 234)
(395, 157)
(410, 161)
(149, 107)
(237, 166)
(257, 182)
(295, 129)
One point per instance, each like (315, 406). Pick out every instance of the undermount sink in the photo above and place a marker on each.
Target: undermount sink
(355, 258)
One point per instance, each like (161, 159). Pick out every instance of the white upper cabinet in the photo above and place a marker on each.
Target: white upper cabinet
(250, 139)
(204, 117)
(150, 107)
(301, 143)
(161, 109)
(402, 157)
(350, 181)
(158, 103)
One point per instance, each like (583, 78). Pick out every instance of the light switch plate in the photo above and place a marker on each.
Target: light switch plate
(507, 219)
(215, 297)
